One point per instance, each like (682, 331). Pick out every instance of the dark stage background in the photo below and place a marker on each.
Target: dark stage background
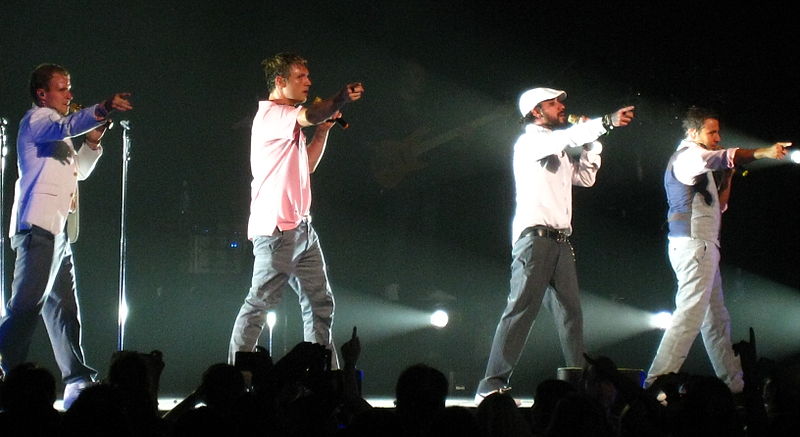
(442, 79)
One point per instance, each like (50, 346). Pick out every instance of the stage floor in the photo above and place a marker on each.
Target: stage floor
(166, 404)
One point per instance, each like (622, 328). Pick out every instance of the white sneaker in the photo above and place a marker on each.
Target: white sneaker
(480, 396)
(73, 390)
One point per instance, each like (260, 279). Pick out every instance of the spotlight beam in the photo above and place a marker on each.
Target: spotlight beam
(377, 318)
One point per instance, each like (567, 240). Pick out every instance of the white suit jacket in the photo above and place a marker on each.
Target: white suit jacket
(49, 167)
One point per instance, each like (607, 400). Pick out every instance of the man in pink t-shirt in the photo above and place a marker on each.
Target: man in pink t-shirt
(285, 245)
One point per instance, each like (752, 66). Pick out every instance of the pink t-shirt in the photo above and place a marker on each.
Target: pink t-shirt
(281, 188)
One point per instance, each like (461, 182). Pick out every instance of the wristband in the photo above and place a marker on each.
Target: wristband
(607, 125)
(100, 111)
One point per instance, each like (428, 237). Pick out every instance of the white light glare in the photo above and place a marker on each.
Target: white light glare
(272, 318)
(795, 156)
(439, 318)
(123, 312)
(661, 320)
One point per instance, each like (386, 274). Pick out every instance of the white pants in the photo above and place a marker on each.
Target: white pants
(700, 307)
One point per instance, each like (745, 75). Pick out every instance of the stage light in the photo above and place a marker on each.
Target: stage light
(661, 320)
(272, 319)
(439, 318)
(627, 321)
(795, 156)
(123, 312)
(379, 319)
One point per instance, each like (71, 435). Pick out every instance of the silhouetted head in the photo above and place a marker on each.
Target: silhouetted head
(499, 415)
(547, 395)
(421, 388)
(28, 387)
(222, 385)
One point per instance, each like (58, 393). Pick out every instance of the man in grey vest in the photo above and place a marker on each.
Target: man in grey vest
(697, 182)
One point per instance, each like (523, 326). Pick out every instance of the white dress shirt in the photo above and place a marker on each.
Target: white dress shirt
(545, 174)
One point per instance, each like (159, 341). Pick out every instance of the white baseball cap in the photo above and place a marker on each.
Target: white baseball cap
(529, 99)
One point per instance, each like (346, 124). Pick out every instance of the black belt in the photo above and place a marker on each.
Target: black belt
(558, 235)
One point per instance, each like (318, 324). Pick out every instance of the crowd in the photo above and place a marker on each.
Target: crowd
(299, 396)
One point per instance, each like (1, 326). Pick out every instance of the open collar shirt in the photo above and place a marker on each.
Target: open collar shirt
(544, 173)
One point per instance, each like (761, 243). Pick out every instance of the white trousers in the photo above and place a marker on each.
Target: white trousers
(700, 308)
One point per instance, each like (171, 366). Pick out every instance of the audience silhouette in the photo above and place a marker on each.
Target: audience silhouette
(299, 395)
(420, 396)
(27, 395)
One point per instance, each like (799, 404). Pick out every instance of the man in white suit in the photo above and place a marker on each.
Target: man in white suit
(45, 194)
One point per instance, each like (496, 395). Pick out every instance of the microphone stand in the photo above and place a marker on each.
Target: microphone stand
(3, 152)
(123, 244)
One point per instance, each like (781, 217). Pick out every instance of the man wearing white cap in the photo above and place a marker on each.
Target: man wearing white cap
(543, 262)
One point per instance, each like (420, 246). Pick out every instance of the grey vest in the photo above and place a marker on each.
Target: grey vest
(693, 209)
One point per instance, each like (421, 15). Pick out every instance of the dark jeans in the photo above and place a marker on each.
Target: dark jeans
(44, 283)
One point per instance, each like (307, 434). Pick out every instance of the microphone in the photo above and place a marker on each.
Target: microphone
(340, 121)
(574, 119)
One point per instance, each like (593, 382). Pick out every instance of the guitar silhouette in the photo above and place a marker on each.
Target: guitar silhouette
(394, 160)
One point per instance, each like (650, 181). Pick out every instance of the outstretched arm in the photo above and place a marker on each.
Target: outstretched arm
(621, 117)
(775, 151)
(351, 392)
(117, 102)
(323, 110)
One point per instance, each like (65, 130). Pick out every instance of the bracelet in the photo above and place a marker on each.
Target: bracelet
(607, 125)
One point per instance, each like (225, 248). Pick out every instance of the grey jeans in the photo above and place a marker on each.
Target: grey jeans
(542, 269)
(44, 283)
(292, 257)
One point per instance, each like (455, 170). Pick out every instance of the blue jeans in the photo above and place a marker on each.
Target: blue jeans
(292, 257)
(542, 269)
(44, 283)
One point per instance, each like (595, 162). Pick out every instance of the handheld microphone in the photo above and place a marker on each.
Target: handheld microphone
(340, 121)
(574, 119)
